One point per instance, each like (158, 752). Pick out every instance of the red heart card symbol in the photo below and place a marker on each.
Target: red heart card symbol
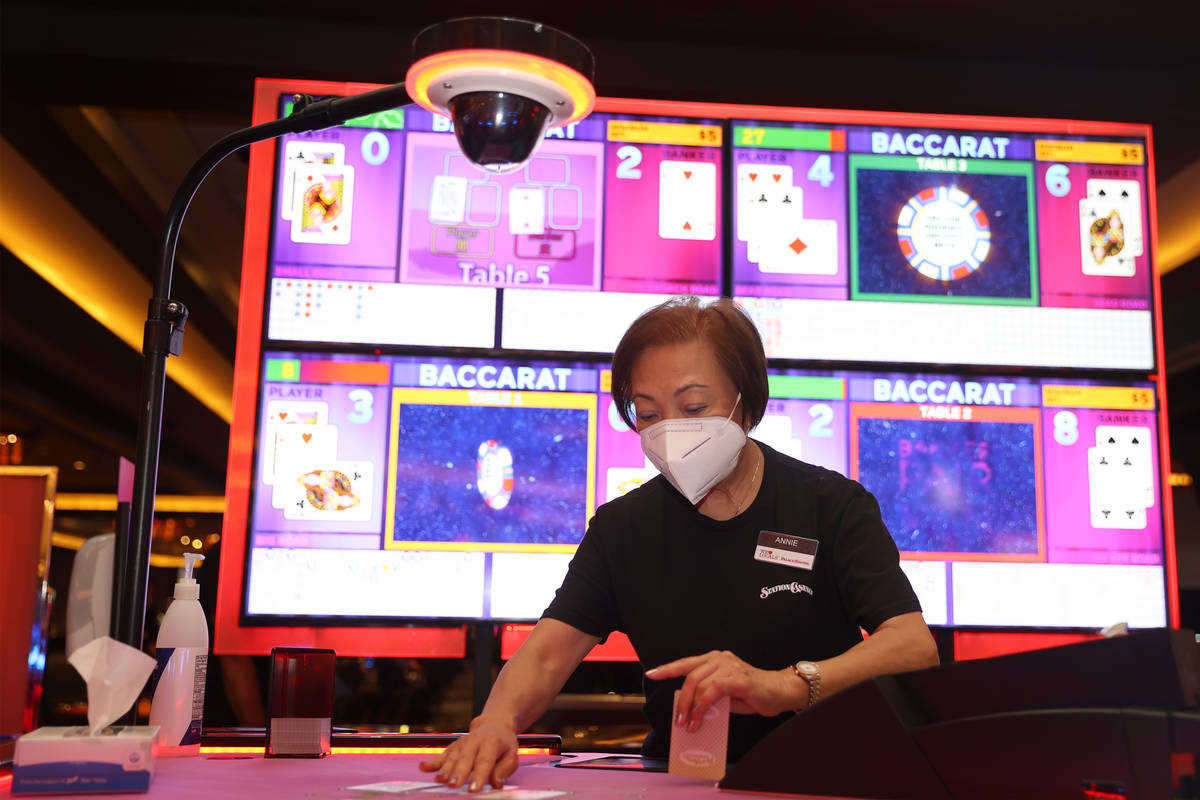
(283, 415)
(753, 175)
(777, 176)
(687, 173)
(307, 437)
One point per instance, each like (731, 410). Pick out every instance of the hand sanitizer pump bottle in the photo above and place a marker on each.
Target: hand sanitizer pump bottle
(182, 651)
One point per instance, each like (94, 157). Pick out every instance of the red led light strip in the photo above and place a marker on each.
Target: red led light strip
(361, 751)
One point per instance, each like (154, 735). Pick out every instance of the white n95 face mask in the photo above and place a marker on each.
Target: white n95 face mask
(694, 455)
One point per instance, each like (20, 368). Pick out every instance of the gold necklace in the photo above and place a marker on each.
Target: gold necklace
(750, 488)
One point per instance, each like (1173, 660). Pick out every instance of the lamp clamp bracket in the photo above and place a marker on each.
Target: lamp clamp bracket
(301, 102)
(165, 324)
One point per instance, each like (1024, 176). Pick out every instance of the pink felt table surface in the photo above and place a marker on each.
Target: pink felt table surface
(209, 777)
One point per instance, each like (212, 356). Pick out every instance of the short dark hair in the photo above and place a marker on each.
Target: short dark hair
(722, 324)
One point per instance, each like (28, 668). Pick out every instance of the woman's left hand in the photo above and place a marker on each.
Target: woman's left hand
(719, 673)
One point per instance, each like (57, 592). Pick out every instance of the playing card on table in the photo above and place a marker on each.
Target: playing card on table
(1123, 192)
(324, 198)
(687, 200)
(393, 787)
(281, 413)
(526, 209)
(338, 492)
(1103, 247)
(448, 199)
(1129, 446)
(298, 153)
(507, 793)
(299, 449)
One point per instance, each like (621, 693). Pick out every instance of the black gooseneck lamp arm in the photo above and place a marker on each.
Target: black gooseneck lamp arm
(163, 336)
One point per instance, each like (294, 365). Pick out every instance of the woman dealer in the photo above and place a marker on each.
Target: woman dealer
(677, 564)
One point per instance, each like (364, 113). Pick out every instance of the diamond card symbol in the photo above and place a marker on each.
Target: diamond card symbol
(798, 246)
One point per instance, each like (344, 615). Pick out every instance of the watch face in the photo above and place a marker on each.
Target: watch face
(807, 669)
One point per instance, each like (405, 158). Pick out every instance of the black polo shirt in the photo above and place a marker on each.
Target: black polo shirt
(680, 584)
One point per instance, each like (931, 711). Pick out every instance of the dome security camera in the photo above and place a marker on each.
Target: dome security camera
(504, 82)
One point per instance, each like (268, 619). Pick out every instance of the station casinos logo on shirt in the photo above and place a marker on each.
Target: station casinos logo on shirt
(795, 587)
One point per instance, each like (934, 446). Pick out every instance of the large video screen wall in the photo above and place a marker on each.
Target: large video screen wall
(959, 314)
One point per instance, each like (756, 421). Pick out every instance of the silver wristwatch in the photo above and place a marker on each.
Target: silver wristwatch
(811, 674)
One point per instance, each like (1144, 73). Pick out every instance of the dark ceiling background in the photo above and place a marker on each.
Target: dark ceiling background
(112, 102)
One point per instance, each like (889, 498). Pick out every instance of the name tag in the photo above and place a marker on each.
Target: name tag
(785, 549)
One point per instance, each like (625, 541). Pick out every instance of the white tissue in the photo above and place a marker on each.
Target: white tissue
(115, 674)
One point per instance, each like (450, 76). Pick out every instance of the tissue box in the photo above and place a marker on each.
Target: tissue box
(57, 760)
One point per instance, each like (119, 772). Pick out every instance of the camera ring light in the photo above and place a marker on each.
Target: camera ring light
(498, 54)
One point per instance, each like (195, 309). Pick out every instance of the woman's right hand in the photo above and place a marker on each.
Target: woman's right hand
(487, 754)
(522, 693)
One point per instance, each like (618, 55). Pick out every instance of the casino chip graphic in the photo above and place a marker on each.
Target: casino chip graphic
(494, 474)
(943, 233)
